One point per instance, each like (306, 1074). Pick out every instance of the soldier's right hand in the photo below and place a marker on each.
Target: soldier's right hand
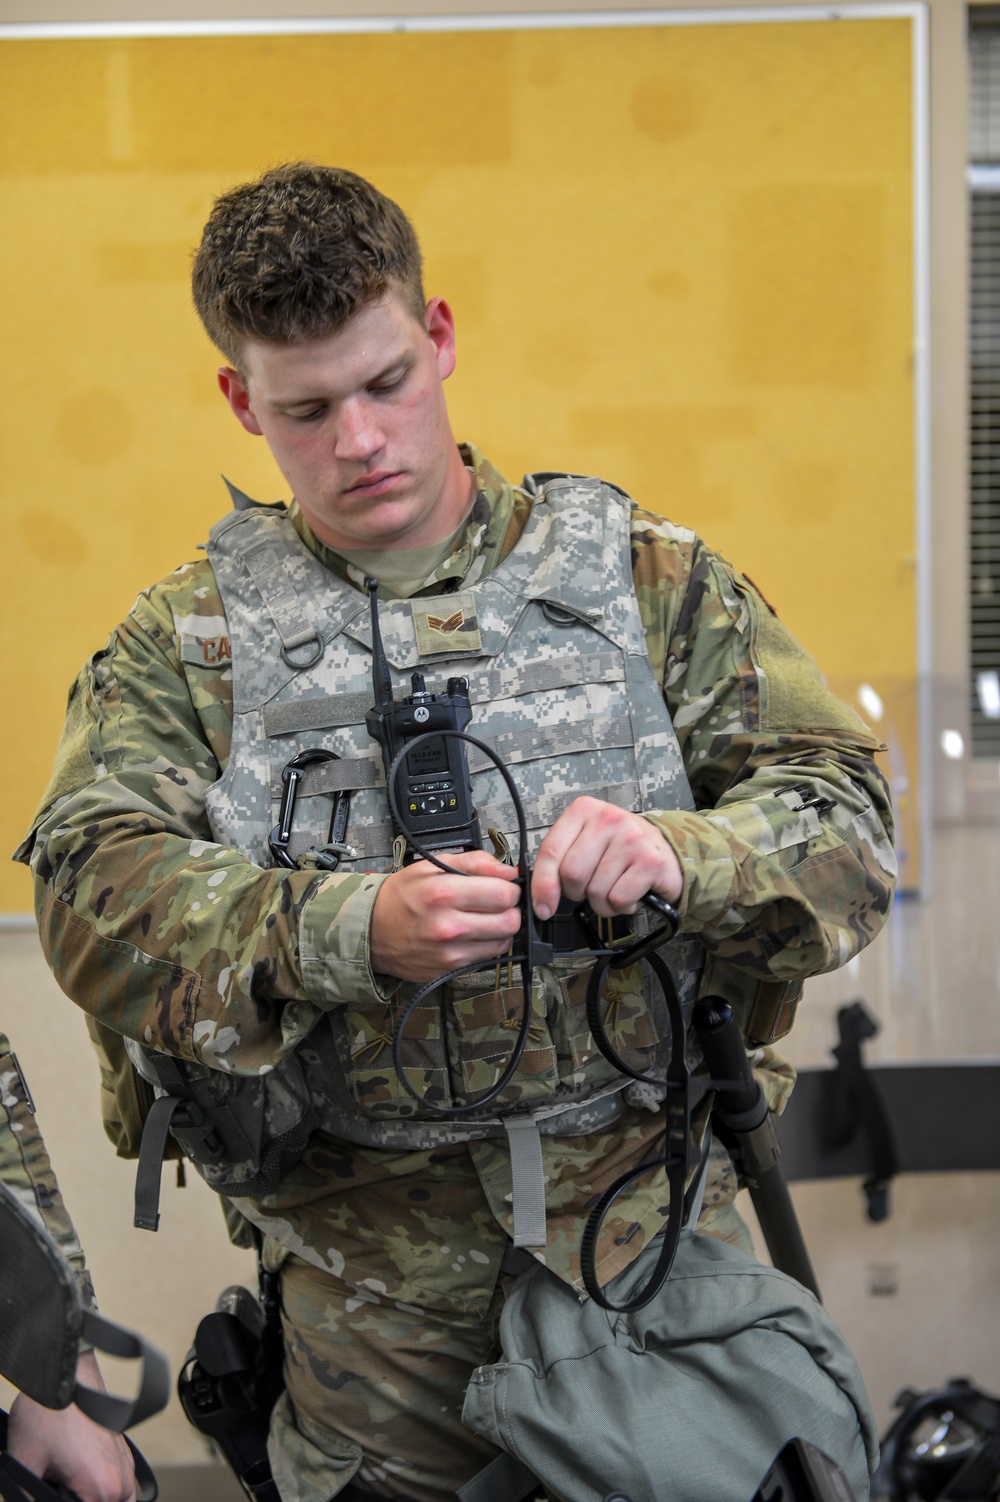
(426, 922)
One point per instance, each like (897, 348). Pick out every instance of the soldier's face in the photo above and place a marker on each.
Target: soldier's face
(358, 425)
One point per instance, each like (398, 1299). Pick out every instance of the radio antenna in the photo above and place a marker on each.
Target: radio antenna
(381, 677)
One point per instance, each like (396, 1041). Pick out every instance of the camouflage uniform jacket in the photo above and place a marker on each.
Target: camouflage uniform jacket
(171, 939)
(26, 1171)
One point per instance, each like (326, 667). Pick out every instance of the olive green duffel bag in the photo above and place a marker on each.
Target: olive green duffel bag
(689, 1399)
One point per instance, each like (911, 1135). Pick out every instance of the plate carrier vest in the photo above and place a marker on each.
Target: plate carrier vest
(562, 688)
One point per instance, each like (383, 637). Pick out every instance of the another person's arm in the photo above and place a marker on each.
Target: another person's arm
(59, 1444)
(62, 1445)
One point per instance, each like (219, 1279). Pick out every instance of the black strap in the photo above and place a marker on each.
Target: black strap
(516, 1261)
(152, 1150)
(154, 1382)
(146, 1488)
(17, 1482)
(151, 1154)
(803, 1473)
(505, 1479)
(854, 1106)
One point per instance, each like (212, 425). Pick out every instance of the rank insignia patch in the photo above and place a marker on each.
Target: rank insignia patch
(446, 627)
(446, 623)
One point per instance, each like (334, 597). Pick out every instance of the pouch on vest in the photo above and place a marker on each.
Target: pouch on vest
(459, 1041)
(244, 1132)
(126, 1098)
(765, 1009)
(689, 1398)
(42, 1322)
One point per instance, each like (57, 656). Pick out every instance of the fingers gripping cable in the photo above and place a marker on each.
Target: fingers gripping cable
(533, 950)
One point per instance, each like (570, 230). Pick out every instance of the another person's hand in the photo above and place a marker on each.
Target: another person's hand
(62, 1445)
(607, 855)
(426, 922)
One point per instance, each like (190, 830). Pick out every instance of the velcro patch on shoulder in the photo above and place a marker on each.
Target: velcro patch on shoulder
(446, 623)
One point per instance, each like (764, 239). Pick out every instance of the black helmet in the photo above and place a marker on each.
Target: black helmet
(944, 1444)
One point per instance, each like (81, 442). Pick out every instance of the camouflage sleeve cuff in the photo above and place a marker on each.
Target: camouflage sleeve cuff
(777, 889)
(334, 943)
(708, 866)
(738, 870)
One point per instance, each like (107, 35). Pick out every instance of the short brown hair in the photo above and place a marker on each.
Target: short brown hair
(294, 255)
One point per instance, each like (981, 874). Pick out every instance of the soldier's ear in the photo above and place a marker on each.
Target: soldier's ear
(233, 388)
(440, 324)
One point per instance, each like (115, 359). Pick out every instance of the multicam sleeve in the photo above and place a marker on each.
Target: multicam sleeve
(150, 925)
(788, 861)
(26, 1171)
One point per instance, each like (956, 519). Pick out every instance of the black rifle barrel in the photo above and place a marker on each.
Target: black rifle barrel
(742, 1111)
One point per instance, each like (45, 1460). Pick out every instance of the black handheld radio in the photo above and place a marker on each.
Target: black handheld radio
(432, 782)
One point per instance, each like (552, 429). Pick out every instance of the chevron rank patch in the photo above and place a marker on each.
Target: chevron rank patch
(446, 623)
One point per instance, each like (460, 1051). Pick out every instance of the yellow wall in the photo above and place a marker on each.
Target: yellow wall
(679, 256)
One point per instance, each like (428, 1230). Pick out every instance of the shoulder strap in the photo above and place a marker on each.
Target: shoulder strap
(535, 483)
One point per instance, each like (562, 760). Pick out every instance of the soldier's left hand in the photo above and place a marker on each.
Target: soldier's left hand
(605, 854)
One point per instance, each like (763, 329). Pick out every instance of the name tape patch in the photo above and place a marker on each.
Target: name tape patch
(206, 651)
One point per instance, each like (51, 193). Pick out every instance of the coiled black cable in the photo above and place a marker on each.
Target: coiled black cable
(677, 1105)
(526, 962)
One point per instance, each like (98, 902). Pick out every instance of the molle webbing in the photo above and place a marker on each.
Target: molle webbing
(265, 566)
(377, 842)
(326, 713)
(534, 744)
(514, 748)
(334, 776)
(331, 711)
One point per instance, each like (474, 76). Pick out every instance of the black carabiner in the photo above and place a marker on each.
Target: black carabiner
(280, 836)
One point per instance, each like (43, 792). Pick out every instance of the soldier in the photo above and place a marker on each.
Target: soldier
(59, 1444)
(665, 731)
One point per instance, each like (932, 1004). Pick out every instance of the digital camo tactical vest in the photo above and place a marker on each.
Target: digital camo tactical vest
(562, 688)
